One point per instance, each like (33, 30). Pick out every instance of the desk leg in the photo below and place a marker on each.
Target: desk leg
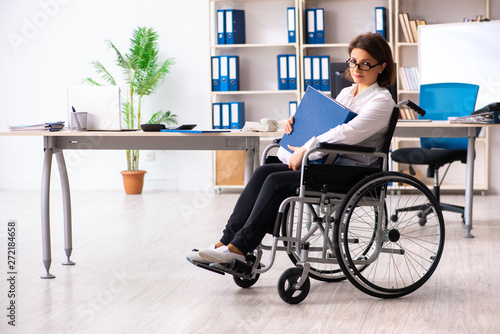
(469, 186)
(249, 164)
(63, 173)
(47, 166)
(252, 157)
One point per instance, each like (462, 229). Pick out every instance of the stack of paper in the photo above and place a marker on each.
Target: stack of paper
(53, 126)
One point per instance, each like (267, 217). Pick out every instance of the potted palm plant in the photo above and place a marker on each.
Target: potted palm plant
(143, 74)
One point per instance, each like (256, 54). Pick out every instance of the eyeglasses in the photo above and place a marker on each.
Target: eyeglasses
(363, 67)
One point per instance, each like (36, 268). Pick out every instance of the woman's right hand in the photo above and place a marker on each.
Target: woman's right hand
(289, 125)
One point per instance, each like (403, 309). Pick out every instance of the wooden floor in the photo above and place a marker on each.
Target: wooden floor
(131, 275)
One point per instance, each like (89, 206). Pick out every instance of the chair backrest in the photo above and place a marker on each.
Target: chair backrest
(443, 100)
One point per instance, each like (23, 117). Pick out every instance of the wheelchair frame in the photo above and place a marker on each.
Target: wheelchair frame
(357, 231)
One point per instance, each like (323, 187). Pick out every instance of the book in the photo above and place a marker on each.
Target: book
(405, 27)
(316, 114)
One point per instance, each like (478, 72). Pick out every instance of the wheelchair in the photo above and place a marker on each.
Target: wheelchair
(347, 223)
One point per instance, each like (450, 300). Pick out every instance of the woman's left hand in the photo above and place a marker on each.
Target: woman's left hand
(296, 159)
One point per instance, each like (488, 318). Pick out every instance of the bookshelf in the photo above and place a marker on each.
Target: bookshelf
(344, 20)
(266, 37)
(406, 55)
(432, 12)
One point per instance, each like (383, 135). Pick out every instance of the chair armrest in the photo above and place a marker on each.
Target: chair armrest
(268, 148)
(345, 147)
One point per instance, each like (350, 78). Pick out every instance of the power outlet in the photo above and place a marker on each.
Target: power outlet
(149, 155)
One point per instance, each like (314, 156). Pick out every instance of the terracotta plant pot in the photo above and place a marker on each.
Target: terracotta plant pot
(133, 181)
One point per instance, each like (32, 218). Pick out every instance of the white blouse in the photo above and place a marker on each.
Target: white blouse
(374, 107)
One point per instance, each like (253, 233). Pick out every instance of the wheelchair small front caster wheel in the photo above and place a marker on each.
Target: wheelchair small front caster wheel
(422, 219)
(287, 286)
(245, 282)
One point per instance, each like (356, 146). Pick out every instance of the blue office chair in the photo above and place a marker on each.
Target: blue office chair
(440, 101)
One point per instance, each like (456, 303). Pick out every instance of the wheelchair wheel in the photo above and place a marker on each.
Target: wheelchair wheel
(324, 266)
(245, 281)
(396, 256)
(287, 289)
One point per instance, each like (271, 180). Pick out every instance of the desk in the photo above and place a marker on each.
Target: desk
(55, 142)
(446, 129)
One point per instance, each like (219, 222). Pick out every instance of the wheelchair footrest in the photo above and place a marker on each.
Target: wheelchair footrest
(235, 268)
(207, 267)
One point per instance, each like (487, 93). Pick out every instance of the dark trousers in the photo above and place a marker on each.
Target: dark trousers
(255, 211)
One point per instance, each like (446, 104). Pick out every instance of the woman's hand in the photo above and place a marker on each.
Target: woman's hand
(296, 159)
(289, 126)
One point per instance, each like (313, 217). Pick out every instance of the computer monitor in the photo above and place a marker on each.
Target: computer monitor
(102, 103)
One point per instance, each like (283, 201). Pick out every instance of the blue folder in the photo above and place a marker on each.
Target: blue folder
(225, 116)
(235, 26)
(307, 71)
(292, 72)
(381, 21)
(311, 26)
(224, 73)
(221, 26)
(325, 73)
(316, 72)
(237, 115)
(282, 72)
(217, 115)
(215, 73)
(195, 131)
(292, 35)
(234, 73)
(316, 114)
(292, 108)
(320, 26)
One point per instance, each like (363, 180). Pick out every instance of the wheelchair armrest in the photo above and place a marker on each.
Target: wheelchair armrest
(345, 147)
(268, 148)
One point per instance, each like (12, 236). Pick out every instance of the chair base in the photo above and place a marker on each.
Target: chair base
(425, 210)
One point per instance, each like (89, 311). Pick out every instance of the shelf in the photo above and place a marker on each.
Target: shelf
(242, 46)
(327, 45)
(256, 92)
(406, 44)
(243, 1)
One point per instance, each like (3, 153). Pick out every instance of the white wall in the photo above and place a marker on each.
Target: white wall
(47, 45)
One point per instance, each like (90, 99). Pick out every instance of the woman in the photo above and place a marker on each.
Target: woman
(371, 69)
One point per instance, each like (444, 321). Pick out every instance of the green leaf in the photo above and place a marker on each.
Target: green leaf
(163, 117)
(90, 81)
(105, 75)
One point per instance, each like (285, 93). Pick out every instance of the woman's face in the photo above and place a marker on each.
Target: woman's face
(364, 78)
